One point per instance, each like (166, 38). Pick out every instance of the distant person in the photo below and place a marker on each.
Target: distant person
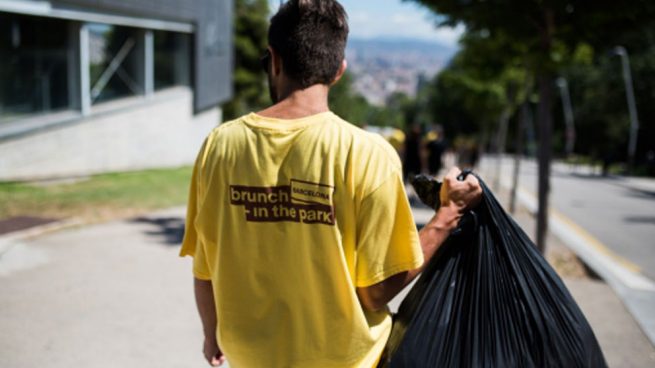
(298, 222)
(412, 152)
(608, 159)
(468, 153)
(650, 163)
(396, 139)
(436, 145)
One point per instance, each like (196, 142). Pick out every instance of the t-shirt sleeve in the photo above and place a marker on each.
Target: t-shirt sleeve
(191, 245)
(387, 239)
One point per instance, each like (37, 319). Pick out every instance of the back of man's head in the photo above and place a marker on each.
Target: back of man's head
(310, 36)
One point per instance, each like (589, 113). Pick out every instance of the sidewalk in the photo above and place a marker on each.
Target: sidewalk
(117, 295)
(109, 295)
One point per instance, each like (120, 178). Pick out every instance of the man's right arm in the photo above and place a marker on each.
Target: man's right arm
(207, 311)
(456, 198)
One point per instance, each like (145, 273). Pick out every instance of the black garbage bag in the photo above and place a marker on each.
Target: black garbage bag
(489, 299)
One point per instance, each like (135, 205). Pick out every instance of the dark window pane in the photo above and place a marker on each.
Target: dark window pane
(33, 66)
(172, 55)
(115, 62)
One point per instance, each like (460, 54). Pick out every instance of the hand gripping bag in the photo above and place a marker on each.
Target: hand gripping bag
(488, 299)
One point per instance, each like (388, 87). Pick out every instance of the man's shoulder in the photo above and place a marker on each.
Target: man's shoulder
(226, 131)
(365, 142)
(378, 148)
(229, 126)
(374, 160)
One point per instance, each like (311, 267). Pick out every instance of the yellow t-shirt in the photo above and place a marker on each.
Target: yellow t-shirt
(287, 218)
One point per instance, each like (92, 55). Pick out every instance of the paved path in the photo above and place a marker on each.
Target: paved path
(111, 295)
(117, 295)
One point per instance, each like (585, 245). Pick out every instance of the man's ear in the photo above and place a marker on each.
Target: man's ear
(340, 72)
(276, 62)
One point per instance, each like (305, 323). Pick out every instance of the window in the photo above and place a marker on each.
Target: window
(172, 51)
(116, 62)
(50, 65)
(34, 66)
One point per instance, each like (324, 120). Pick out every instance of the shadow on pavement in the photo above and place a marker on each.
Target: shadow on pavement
(615, 179)
(169, 230)
(640, 193)
(640, 219)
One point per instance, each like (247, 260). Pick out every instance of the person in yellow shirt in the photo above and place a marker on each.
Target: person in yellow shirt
(298, 222)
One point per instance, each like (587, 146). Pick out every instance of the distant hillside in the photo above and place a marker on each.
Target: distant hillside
(383, 66)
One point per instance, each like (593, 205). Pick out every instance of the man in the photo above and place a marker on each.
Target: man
(412, 153)
(298, 221)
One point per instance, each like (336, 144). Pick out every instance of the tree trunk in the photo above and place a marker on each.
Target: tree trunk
(501, 138)
(545, 123)
(519, 146)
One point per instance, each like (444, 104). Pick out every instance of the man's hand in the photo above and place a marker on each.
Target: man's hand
(461, 195)
(213, 353)
(456, 198)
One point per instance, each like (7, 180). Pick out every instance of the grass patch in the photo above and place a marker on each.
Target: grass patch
(99, 197)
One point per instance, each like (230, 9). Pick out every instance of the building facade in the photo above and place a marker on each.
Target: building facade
(92, 86)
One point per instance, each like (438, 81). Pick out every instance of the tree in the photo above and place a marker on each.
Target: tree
(598, 96)
(547, 30)
(250, 42)
(481, 86)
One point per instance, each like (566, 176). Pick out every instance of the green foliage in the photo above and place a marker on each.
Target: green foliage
(402, 110)
(546, 29)
(383, 116)
(250, 42)
(507, 40)
(100, 196)
(462, 104)
(600, 108)
(346, 103)
(484, 80)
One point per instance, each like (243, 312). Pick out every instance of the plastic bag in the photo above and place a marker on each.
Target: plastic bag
(489, 299)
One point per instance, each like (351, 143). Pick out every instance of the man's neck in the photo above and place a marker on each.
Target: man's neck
(300, 103)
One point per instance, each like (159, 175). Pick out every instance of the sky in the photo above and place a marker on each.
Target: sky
(393, 19)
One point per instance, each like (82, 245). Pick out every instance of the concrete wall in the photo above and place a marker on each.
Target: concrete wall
(134, 135)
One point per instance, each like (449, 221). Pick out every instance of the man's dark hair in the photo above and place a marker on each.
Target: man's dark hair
(310, 36)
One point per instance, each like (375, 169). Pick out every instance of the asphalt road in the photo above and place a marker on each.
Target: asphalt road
(617, 211)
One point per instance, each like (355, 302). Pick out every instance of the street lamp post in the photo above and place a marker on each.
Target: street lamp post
(632, 105)
(568, 114)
